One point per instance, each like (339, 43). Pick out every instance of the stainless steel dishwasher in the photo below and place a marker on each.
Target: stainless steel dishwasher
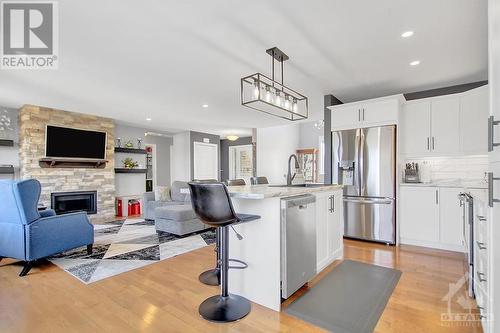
(298, 242)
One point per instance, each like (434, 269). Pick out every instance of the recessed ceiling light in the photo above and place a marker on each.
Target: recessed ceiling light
(415, 63)
(204, 106)
(148, 119)
(407, 34)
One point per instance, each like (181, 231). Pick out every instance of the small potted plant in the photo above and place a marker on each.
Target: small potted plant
(129, 163)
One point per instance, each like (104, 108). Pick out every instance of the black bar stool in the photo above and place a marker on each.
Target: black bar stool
(213, 206)
(236, 182)
(211, 277)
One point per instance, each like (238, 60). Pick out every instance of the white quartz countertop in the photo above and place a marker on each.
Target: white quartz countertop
(267, 191)
(457, 183)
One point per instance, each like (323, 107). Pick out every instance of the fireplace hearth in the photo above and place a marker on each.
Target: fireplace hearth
(70, 202)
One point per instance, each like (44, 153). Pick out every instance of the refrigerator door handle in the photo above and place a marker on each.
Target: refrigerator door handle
(385, 201)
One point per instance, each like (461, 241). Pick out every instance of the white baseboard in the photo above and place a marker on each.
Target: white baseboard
(433, 245)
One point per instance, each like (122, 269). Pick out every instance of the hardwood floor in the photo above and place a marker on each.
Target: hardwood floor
(164, 297)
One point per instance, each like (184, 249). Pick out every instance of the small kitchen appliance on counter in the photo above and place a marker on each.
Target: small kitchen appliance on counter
(412, 174)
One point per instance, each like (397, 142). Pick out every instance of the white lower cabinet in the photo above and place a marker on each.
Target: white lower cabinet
(419, 215)
(432, 217)
(329, 228)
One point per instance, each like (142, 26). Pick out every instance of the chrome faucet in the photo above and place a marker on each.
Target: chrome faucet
(289, 177)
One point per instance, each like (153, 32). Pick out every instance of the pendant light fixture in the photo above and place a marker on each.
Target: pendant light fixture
(267, 95)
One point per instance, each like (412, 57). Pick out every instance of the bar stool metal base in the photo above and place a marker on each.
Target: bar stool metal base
(224, 309)
(210, 277)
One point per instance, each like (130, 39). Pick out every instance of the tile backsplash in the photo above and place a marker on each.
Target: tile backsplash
(464, 167)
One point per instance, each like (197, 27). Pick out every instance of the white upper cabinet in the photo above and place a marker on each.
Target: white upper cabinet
(384, 111)
(415, 129)
(346, 116)
(474, 112)
(445, 126)
(380, 111)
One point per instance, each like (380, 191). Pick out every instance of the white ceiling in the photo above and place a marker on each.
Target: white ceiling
(130, 60)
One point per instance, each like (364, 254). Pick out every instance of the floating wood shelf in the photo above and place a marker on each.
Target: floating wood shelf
(6, 143)
(130, 150)
(127, 170)
(56, 162)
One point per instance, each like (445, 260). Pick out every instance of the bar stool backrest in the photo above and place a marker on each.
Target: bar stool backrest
(212, 204)
(259, 180)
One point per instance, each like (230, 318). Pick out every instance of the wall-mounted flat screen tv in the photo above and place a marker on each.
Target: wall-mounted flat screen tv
(74, 143)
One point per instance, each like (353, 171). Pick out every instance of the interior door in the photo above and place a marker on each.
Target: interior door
(415, 128)
(206, 161)
(241, 162)
(445, 125)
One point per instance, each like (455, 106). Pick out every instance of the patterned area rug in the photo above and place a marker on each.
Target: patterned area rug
(122, 246)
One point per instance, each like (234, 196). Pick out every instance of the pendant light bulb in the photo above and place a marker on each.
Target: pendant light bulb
(268, 95)
(287, 102)
(256, 89)
(295, 106)
(278, 99)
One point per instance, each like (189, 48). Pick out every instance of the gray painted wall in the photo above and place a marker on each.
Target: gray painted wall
(224, 153)
(162, 149)
(198, 137)
(444, 91)
(329, 100)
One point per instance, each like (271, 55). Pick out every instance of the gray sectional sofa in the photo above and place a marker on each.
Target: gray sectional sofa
(175, 216)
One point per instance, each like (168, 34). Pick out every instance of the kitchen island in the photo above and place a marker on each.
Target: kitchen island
(261, 245)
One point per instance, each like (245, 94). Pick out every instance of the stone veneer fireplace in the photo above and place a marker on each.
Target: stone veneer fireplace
(32, 123)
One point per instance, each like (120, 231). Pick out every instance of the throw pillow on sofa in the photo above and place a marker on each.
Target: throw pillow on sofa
(162, 193)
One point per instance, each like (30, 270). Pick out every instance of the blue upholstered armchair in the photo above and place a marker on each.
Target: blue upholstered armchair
(27, 234)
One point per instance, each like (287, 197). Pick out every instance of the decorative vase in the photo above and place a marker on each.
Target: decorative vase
(118, 142)
(139, 142)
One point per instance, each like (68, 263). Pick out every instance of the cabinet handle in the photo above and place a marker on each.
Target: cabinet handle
(482, 317)
(433, 143)
(437, 197)
(363, 114)
(480, 277)
(481, 218)
(428, 144)
(359, 114)
(491, 133)
(333, 203)
(491, 199)
(332, 207)
(480, 245)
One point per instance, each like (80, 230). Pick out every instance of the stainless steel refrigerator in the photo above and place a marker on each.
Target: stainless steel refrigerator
(364, 161)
